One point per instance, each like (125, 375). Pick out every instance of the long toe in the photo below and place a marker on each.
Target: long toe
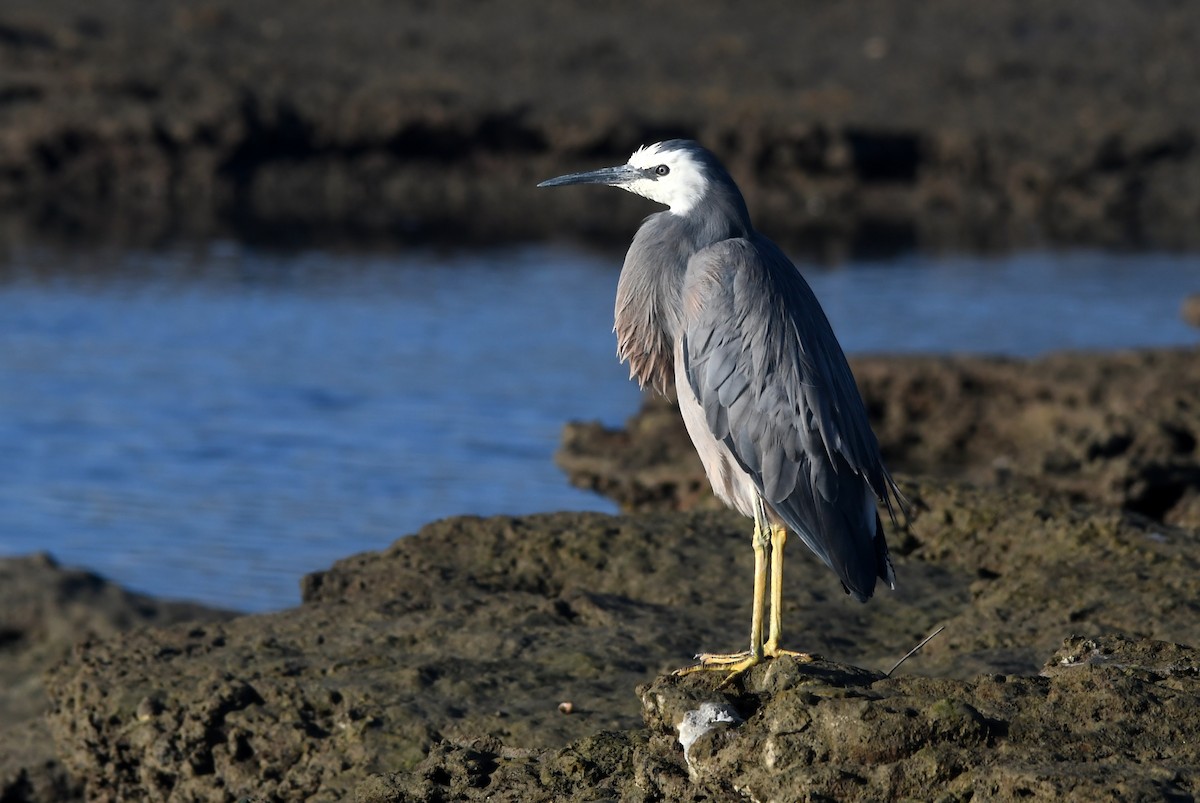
(734, 663)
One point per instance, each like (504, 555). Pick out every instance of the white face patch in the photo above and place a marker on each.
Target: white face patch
(680, 189)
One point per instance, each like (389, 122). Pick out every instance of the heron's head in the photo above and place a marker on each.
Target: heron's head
(677, 173)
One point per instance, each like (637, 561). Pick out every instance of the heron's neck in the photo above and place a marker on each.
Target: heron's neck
(722, 215)
(649, 291)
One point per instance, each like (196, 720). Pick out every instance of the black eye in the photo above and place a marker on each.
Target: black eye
(662, 170)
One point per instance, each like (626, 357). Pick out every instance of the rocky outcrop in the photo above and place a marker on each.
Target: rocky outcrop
(482, 629)
(1120, 430)
(1079, 729)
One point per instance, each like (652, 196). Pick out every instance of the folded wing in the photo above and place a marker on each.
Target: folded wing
(775, 387)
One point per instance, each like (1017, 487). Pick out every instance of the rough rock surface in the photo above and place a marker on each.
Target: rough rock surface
(1079, 730)
(44, 610)
(481, 628)
(1119, 429)
(869, 121)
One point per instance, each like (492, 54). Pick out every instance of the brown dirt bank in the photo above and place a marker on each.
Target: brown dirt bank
(958, 123)
(1119, 429)
(478, 629)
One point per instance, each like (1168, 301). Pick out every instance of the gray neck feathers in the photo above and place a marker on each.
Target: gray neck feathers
(649, 292)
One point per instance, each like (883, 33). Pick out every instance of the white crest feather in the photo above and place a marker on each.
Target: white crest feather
(681, 189)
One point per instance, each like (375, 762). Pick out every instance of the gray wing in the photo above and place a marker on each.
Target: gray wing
(775, 386)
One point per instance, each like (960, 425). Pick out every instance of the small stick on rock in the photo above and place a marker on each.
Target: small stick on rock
(914, 650)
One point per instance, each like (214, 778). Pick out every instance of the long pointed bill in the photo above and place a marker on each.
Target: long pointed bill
(612, 176)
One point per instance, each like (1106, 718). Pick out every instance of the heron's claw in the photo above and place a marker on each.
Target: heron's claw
(738, 662)
(733, 663)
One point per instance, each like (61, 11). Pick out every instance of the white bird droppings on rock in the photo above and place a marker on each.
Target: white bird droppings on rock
(700, 721)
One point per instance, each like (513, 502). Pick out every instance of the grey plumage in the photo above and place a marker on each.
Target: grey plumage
(777, 393)
(706, 303)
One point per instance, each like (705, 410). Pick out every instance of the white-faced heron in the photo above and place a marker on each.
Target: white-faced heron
(708, 303)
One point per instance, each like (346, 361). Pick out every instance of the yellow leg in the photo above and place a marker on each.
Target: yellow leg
(735, 663)
(778, 541)
(760, 587)
(772, 648)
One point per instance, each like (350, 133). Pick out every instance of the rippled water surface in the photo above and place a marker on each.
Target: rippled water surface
(212, 423)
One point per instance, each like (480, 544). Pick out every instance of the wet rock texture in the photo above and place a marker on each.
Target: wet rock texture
(868, 121)
(435, 670)
(1116, 429)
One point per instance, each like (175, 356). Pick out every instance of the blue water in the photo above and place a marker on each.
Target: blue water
(212, 423)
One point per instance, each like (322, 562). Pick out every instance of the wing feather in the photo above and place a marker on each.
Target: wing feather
(775, 387)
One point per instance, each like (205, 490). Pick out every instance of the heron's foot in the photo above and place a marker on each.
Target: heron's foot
(733, 663)
(738, 662)
(772, 651)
